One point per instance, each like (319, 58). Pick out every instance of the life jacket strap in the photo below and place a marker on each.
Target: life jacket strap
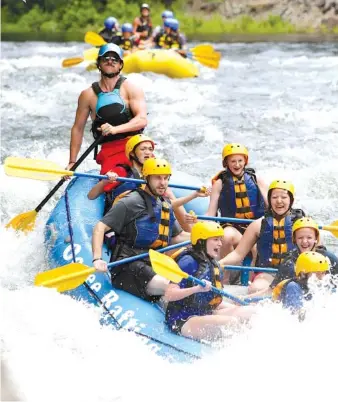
(217, 300)
(243, 208)
(163, 228)
(279, 244)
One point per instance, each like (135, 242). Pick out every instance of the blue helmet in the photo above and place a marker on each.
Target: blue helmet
(127, 27)
(167, 14)
(110, 47)
(171, 23)
(110, 22)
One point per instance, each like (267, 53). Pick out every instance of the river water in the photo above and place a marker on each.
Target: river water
(278, 99)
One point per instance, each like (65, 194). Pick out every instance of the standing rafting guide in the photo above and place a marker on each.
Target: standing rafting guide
(117, 108)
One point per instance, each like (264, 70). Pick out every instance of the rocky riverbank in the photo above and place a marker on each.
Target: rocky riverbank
(303, 14)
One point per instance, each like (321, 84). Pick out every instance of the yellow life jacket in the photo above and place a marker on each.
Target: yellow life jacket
(161, 41)
(217, 300)
(243, 210)
(127, 44)
(167, 41)
(279, 244)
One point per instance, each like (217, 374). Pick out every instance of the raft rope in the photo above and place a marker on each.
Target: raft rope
(70, 227)
(97, 298)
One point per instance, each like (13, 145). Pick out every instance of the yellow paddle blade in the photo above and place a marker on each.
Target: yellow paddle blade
(94, 39)
(203, 48)
(165, 266)
(333, 228)
(24, 222)
(72, 61)
(64, 278)
(34, 169)
(91, 54)
(207, 62)
(212, 56)
(91, 67)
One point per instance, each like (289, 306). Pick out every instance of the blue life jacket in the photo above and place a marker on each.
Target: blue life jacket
(227, 199)
(291, 293)
(202, 267)
(112, 109)
(275, 240)
(154, 230)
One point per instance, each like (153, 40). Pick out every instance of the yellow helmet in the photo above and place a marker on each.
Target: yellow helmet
(156, 166)
(235, 149)
(310, 261)
(305, 222)
(134, 141)
(205, 230)
(284, 185)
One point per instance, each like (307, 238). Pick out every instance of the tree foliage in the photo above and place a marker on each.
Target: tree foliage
(79, 16)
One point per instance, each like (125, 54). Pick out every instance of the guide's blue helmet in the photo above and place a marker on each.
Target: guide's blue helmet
(110, 47)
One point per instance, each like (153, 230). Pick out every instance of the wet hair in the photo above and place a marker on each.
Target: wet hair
(201, 245)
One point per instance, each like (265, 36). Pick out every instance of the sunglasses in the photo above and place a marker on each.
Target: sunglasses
(113, 59)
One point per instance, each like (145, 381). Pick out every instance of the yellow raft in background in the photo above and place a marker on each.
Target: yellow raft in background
(160, 61)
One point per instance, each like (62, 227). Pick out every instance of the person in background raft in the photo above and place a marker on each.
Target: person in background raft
(110, 31)
(126, 42)
(142, 220)
(195, 311)
(171, 38)
(143, 20)
(143, 41)
(117, 108)
(272, 234)
(237, 193)
(160, 29)
(293, 292)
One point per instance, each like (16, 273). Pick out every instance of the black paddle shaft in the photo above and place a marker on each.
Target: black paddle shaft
(75, 166)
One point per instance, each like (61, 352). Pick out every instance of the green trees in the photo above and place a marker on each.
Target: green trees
(75, 17)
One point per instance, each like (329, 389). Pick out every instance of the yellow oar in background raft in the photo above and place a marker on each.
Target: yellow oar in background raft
(203, 53)
(94, 39)
(88, 55)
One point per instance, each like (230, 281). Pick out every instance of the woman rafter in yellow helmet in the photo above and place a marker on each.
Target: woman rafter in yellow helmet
(306, 237)
(236, 193)
(272, 234)
(142, 220)
(195, 311)
(138, 149)
(293, 292)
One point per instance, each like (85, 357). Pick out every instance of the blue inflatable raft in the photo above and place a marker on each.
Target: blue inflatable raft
(68, 239)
